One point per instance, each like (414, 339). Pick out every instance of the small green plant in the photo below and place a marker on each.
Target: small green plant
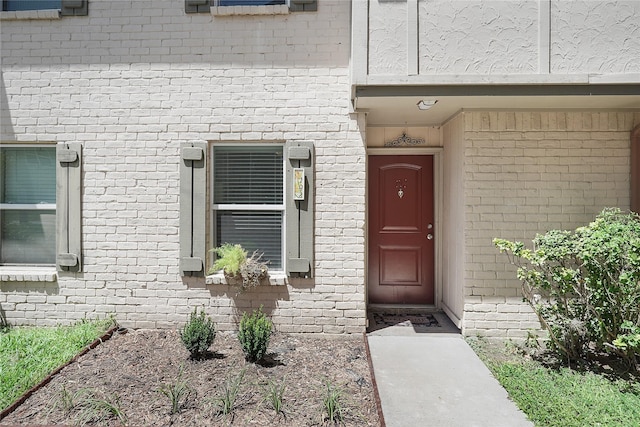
(229, 259)
(96, 410)
(177, 392)
(68, 400)
(254, 334)
(236, 266)
(198, 334)
(332, 403)
(274, 395)
(226, 399)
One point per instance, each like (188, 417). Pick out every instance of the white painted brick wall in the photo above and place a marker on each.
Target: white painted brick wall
(131, 82)
(527, 173)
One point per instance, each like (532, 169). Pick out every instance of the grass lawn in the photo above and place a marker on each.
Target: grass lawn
(561, 396)
(28, 355)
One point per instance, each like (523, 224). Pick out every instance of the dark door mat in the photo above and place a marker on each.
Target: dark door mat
(426, 320)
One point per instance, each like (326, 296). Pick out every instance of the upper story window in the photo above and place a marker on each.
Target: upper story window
(248, 199)
(249, 2)
(262, 7)
(16, 5)
(27, 204)
(33, 9)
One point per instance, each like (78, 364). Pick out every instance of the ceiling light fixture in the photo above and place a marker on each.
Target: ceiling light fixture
(425, 104)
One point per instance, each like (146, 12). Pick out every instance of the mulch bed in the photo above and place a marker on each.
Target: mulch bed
(130, 369)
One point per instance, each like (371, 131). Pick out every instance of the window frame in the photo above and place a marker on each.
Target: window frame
(33, 206)
(282, 207)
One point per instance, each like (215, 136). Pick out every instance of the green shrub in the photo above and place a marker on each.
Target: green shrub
(255, 331)
(198, 334)
(585, 285)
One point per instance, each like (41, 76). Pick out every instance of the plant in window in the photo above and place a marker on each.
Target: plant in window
(229, 259)
(237, 267)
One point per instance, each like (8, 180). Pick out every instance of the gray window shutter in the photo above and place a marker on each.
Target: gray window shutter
(69, 206)
(303, 5)
(75, 8)
(193, 187)
(197, 6)
(299, 213)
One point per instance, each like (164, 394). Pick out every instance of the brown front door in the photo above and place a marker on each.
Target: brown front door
(401, 230)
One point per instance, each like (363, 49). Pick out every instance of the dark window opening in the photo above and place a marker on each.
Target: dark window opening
(17, 5)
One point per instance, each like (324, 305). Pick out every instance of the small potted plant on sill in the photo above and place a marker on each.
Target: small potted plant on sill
(238, 269)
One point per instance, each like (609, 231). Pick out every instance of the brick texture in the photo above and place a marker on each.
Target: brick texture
(131, 82)
(527, 173)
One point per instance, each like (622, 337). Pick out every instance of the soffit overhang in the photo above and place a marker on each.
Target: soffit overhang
(393, 105)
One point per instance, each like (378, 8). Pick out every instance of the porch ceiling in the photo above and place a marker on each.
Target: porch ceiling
(393, 106)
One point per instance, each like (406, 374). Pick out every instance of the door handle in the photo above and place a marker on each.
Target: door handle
(429, 236)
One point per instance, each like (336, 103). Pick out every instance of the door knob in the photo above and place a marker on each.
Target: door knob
(429, 236)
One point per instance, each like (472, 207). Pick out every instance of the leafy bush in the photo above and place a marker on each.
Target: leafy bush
(585, 285)
(198, 334)
(255, 331)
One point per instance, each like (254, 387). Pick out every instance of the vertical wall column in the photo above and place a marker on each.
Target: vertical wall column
(412, 38)
(359, 41)
(544, 36)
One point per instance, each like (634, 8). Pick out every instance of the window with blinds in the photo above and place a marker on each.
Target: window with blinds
(248, 199)
(27, 204)
(247, 2)
(13, 5)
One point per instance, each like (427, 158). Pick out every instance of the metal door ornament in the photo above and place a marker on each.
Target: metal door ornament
(400, 186)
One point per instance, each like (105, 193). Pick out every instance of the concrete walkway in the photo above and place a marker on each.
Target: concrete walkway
(437, 380)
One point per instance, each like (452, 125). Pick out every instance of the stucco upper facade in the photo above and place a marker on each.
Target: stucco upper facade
(535, 102)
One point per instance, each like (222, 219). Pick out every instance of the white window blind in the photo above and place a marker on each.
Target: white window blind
(27, 205)
(248, 199)
(249, 177)
(15, 5)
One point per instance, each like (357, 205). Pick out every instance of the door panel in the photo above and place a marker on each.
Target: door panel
(400, 265)
(401, 256)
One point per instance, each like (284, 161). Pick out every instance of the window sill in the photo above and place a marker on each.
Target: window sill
(22, 15)
(28, 274)
(276, 9)
(275, 279)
